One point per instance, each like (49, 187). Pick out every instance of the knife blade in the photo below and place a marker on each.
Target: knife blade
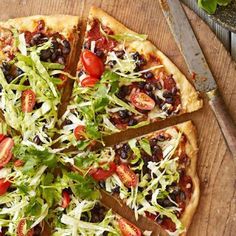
(202, 77)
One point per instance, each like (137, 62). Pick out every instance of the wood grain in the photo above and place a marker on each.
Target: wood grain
(216, 214)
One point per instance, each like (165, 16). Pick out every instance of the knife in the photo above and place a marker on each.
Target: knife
(202, 77)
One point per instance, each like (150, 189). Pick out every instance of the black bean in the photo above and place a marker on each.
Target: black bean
(45, 54)
(160, 201)
(6, 68)
(81, 72)
(159, 220)
(182, 196)
(123, 113)
(37, 140)
(0, 88)
(132, 122)
(169, 100)
(148, 87)
(106, 233)
(54, 57)
(55, 45)
(159, 85)
(61, 60)
(111, 63)
(148, 75)
(116, 189)
(65, 51)
(68, 122)
(99, 53)
(120, 53)
(141, 84)
(123, 91)
(161, 137)
(123, 154)
(141, 62)
(66, 43)
(136, 56)
(167, 203)
(167, 94)
(36, 39)
(137, 68)
(157, 153)
(9, 78)
(126, 147)
(153, 142)
(151, 95)
(38, 105)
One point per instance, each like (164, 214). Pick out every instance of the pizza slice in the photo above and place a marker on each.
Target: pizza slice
(123, 81)
(35, 59)
(155, 175)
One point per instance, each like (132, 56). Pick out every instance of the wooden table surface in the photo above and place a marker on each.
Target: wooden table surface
(216, 213)
(225, 36)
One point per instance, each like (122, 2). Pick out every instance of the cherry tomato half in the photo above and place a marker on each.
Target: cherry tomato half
(4, 185)
(21, 229)
(79, 132)
(128, 229)
(2, 136)
(18, 163)
(28, 99)
(142, 101)
(89, 81)
(65, 199)
(92, 64)
(101, 174)
(126, 175)
(6, 151)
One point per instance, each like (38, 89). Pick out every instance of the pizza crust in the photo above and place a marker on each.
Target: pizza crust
(190, 99)
(64, 24)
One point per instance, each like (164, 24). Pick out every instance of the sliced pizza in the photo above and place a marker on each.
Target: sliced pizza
(35, 58)
(123, 81)
(155, 175)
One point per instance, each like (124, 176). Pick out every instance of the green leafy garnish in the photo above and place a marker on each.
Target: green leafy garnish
(211, 5)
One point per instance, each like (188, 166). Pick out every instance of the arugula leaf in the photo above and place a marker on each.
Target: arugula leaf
(144, 143)
(92, 131)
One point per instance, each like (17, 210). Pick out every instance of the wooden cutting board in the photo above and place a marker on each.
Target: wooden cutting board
(216, 214)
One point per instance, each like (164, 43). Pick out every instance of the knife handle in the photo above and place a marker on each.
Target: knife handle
(225, 121)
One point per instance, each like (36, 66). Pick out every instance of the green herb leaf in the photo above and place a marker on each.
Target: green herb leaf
(144, 143)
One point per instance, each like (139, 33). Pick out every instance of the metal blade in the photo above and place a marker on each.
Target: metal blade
(188, 45)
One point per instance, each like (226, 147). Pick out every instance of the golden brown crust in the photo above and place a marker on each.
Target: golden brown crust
(64, 24)
(189, 97)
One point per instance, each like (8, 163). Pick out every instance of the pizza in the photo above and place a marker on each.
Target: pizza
(35, 57)
(155, 175)
(123, 81)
